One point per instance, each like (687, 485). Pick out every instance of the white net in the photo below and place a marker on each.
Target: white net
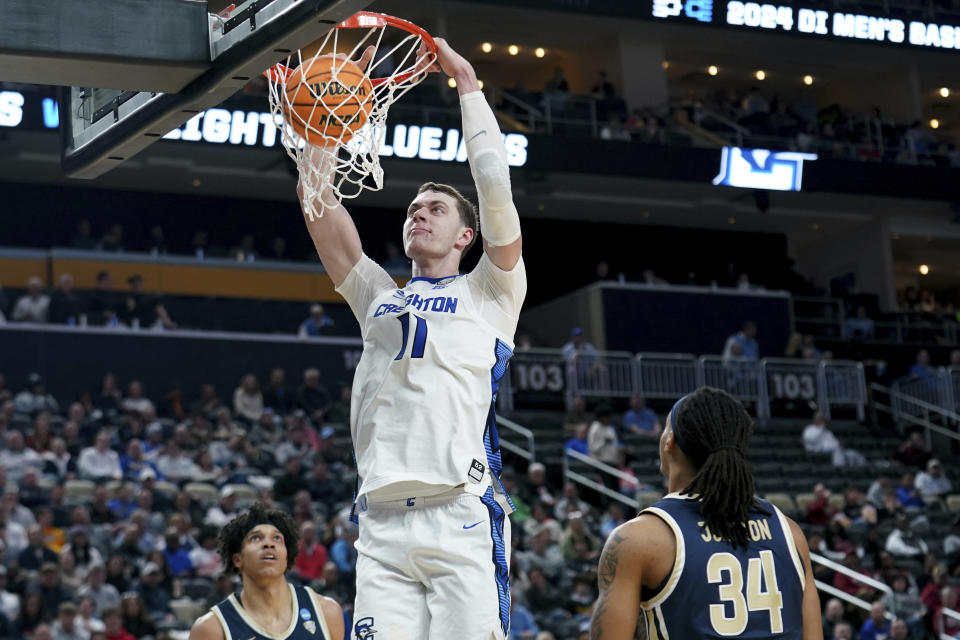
(334, 167)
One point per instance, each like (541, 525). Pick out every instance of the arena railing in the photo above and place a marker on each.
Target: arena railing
(602, 374)
(816, 558)
(529, 454)
(822, 317)
(666, 375)
(741, 377)
(915, 394)
(571, 475)
(843, 383)
(924, 419)
(944, 613)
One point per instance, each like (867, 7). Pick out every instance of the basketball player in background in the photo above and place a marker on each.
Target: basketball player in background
(710, 559)
(434, 532)
(261, 545)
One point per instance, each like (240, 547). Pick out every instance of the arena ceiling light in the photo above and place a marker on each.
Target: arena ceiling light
(808, 80)
(486, 47)
(924, 269)
(513, 49)
(760, 74)
(934, 123)
(539, 52)
(713, 70)
(944, 92)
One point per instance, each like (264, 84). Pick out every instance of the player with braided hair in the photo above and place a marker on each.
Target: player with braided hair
(261, 545)
(759, 581)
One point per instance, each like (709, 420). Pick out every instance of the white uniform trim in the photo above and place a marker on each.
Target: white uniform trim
(662, 624)
(794, 553)
(223, 623)
(318, 609)
(678, 560)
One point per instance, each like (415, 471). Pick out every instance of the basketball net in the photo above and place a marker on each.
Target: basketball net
(349, 163)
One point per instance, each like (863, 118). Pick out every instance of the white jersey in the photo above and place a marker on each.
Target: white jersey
(434, 352)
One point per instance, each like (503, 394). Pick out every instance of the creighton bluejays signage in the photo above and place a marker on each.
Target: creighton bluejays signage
(253, 128)
(762, 169)
(810, 21)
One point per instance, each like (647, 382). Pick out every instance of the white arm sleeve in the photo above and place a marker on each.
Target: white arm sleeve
(499, 221)
(498, 294)
(362, 285)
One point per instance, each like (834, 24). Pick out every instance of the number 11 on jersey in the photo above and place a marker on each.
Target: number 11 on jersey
(419, 337)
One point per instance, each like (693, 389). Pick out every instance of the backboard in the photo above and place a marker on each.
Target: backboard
(101, 127)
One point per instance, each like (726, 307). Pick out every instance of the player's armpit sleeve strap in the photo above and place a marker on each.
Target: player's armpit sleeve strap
(499, 220)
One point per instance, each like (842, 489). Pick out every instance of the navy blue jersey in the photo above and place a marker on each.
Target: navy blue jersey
(718, 591)
(307, 623)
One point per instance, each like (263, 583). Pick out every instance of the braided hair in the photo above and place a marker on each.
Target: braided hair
(716, 431)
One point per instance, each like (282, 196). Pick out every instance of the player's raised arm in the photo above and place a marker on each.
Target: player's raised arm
(499, 221)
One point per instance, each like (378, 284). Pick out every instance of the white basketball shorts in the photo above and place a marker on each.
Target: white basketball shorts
(433, 568)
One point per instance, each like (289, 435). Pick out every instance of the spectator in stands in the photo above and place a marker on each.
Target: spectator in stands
(277, 395)
(51, 589)
(204, 557)
(746, 340)
(175, 465)
(133, 464)
(913, 452)
(578, 442)
(100, 462)
(13, 535)
(316, 324)
(903, 542)
(113, 621)
(9, 602)
(17, 457)
(140, 309)
(844, 457)
(933, 483)
(614, 129)
(832, 616)
(930, 595)
(176, 554)
(64, 302)
(951, 626)
(219, 515)
(247, 399)
(157, 245)
(34, 612)
(557, 82)
(819, 510)
(104, 594)
(99, 507)
(817, 438)
(136, 620)
(36, 555)
(58, 461)
(535, 488)
(394, 260)
(859, 326)
(338, 412)
(198, 246)
(576, 416)
(207, 402)
(578, 346)
(951, 541)
(876, 627)
(35, 398)
(311, 397)
(65, 627)
(313, 555)
(83, 239)
(135, 402)
(112, 239)
(543, 553)
(570, 502)
(343, 552)
(907, 493)
(575, 532)
(34, 305)
(602, 439)
(156, 598)
(104, 305)
(641, 420)
(292, 480)
(522, 624)
(87, 619)
(906, 606)
(921, 369)
(245, 252)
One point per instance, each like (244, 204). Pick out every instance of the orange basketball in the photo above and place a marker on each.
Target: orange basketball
(328, 99)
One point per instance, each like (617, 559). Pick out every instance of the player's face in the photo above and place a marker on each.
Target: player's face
(263, 553)
(433, 226)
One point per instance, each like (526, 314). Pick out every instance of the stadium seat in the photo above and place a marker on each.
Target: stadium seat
(782, 501)
(836, 500)
(206, 494)
(245, 494)
(76, 491)
(953, 502)
(168, 489)
(186, 610)
(802, 500)
(198, 589)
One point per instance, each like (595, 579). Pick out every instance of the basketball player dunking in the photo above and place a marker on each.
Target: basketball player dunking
(709, 560)
(434, 533)
(261, 545)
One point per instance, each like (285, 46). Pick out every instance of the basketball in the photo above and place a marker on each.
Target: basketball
(329, 99)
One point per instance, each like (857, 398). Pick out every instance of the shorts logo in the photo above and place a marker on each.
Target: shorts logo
(411, 501)
(363, 629)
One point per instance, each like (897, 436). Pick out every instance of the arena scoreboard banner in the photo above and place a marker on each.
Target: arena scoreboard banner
(812, 22)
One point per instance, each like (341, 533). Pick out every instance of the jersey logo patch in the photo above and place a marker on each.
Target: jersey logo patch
(305, 613)
(310, 626)
(364, 628)
(475, 473)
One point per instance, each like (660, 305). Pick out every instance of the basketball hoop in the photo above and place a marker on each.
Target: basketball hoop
(349, 162)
